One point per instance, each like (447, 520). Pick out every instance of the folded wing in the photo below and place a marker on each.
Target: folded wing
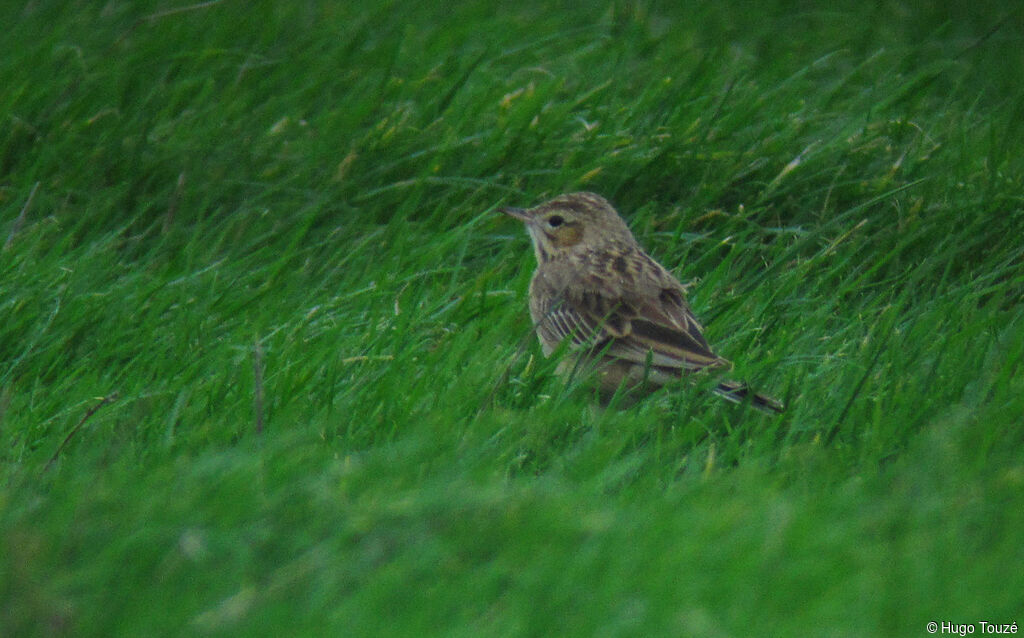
(645, 320)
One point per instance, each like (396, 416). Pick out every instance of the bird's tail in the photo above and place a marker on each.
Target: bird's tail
(741, 393)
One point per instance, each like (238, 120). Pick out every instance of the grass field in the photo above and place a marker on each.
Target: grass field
(266, 366)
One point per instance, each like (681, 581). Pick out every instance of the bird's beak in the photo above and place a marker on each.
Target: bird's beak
(518, 213)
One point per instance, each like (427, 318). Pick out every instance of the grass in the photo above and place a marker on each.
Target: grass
(281, 215)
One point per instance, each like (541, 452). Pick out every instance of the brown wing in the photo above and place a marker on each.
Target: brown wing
(636, 313)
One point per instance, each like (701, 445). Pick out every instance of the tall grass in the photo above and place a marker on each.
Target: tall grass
(281, 216)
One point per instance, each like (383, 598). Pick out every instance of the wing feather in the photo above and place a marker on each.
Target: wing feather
(639, 315)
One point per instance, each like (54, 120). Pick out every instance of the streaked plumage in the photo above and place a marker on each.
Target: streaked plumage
(617, 307)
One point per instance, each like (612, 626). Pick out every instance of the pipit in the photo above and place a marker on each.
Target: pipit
(621, 313)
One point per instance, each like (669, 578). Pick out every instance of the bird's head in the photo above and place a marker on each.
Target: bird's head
(571, 222)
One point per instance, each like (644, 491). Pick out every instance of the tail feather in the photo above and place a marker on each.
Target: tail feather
(740, 393)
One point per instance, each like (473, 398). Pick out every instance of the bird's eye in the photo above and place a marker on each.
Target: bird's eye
(555, 221)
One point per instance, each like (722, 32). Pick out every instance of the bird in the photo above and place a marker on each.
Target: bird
(622, 314)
